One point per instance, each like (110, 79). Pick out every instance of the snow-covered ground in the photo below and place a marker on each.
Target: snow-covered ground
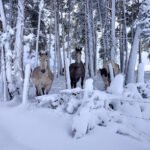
(87, 119)
(28, 128)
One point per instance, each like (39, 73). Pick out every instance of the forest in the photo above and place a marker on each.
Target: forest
(103, 42)
(106, 30)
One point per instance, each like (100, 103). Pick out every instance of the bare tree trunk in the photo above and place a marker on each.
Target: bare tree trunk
(102, 26)
(86, 47)
(130, 77)
(3, 18)
(69, 27)
(140, 75)
(5, 88)
(6, 65)
(65, 58)
(57, 40)
(125, 36)
(38, 30)
(19, 40)
(26, 84)
(90, 37)
(113, 48)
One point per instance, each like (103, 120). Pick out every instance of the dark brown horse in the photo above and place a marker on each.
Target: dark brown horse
(77, 70)
(42, 76)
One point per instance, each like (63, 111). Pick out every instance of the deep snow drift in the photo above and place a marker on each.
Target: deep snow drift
(78, 119)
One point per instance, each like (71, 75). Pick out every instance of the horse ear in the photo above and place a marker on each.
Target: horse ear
(77, 49)
(100, 70)
(46, 53)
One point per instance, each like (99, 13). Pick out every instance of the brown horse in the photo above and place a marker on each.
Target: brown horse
(105, 72)
(42, 76)
(77, 70)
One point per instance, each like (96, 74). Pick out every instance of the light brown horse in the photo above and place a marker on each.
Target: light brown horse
(42, 76)
(105, 72)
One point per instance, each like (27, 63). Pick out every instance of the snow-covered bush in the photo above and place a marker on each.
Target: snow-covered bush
(131, 91)
(137, 91)
(90, 113)
(91, 108)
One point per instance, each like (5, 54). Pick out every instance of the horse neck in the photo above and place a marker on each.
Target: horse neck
(47, 67)
(78, 59)
(78, 62)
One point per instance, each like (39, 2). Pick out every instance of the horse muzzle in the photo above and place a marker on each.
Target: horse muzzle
(43, 70)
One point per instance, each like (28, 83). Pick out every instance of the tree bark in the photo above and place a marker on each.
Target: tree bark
(130, 77)
(90, 38)
(113, 48)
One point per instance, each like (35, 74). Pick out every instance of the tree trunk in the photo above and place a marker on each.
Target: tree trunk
(65, 58)
(26, 84)
(90, 38)
(8, 54)
(86, 47)
(140, 75)
(57, 40)
(113, 48)
(38, 31)
(19, 40)
(130, 76)
(5, 88)
(3, 18)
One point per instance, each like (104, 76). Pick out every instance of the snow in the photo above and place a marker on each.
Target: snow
(140, 77)
(38, 129)
(79, 119)
(116, 86)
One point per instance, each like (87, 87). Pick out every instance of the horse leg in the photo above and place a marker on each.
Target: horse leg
(47, 88)
(82, 81)
(75, 84)
(37, 94)
(72, 84)
(43, 89)
(38, 91)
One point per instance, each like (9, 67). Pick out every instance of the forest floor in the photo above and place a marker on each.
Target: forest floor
(32, 126)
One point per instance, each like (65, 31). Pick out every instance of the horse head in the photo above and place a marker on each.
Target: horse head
(78, 55)
(105, 76)
(43, 57)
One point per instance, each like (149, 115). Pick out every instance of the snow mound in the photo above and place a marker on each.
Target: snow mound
(116, 86)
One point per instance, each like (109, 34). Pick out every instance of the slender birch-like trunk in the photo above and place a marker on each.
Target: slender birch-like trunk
(5, 88)
(113, 37)
(65, 58)
(6, 62)
(57, 40)
(3, 18)
(125, 36)
(19, 40)
(140, 73)
(130, 77)
(90, 37)
(26, 84)
(86, 47)
(41, 5)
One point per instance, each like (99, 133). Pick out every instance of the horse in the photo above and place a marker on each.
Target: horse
(42, 76)
(105, 72)
(77, 70)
